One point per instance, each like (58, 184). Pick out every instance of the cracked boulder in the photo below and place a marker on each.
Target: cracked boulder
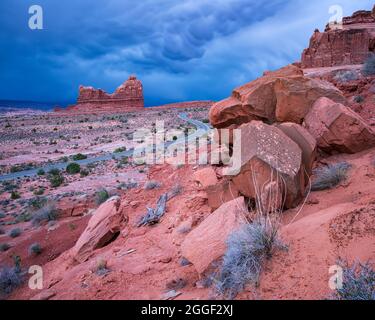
(103, 228)
(205, 244)
(268, 157)
(338, 128)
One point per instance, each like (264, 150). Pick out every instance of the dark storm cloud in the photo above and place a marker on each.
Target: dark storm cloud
(192, 49)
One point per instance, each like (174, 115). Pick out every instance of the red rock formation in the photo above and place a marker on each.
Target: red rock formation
(128, 96)
(349, 44)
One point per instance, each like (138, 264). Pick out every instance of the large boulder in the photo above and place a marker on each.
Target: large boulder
(228, 112)
(295, 97)
(220, 193)
(207, 242)
(269, 155)
(282, 95)
(205, 177)
(104, 227)
(305, 141)
(338, 128)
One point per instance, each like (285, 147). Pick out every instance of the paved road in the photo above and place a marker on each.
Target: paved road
(202, 129)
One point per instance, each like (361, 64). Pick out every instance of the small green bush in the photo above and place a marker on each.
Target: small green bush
(55, 178)
(41, 172)
(101, 196)
(121, 149)
(14, 233)
(54, 172)
(15, 195)
(84, 173)
(73, 168)
(39, 192)
(79, 156)
(35, 249)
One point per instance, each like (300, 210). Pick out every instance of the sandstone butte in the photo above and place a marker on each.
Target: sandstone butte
(127, 97)
(348, 43)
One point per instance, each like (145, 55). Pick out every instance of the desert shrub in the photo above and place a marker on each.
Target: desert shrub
(121, 149)
(54, 172)
(9, 186)
(247, 250)
(130, 184)
(45, 214)
(4, 247)
(369, 66)
(176, 190)
(14, 169)
(10, 279)
(35, 249)
(41, 172)
(152, 184)
(73, 168)
(37, 202)
(101, 196)
(14, 233)
(38, 192)
(2, 215)
(79, 156)
(345, 76)
(84, 173)
(101, 267)
(358, 99)
(55, 178)
(358, 282)
(15, 195)
(330, 176)
(23, 217)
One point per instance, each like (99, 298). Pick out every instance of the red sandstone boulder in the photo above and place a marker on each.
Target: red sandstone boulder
(228, 112)
(305, 141)
(336, 127)
(104, 226)
(295, 96)
(268, 155)
(207, 242)
(220, 193)
(205, 177)
(282, 95)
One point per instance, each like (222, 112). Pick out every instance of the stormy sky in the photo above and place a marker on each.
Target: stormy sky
(181, 50)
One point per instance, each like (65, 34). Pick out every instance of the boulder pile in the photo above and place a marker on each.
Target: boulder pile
(284, 118)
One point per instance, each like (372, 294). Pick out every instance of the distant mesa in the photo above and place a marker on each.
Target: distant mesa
(127, 97)
(346, 44)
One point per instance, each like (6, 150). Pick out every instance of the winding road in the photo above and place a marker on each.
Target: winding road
(202, 129)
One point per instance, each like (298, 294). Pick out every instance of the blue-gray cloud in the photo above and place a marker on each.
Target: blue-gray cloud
(182, 50)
